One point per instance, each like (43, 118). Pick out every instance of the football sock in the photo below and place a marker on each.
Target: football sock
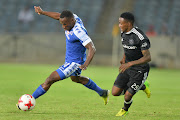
(127, 104)
(92, 85)
(38, 92)
(143, 87)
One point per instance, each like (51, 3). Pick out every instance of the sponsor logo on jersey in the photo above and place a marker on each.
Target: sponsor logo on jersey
(129, 47)
(144, 44)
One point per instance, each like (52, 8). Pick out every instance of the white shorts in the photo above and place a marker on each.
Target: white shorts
(69, 69)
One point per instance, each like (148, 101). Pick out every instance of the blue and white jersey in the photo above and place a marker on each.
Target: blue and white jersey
(76, 39)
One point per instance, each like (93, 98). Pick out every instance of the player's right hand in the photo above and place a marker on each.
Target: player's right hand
(122, 61)
(83, 67)
(38, 10)
(125, 66)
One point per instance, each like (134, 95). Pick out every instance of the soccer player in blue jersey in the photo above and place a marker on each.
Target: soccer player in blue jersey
(77, 41)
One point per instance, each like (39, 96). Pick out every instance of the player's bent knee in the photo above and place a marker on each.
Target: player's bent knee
(80, 79)
(117, 93)
(128, 96)
(83, 80)
(75, 79)
(51, 80)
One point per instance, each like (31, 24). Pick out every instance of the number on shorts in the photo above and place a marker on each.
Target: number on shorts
(134, 86)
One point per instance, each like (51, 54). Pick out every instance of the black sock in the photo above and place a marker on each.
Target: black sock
(127, 104)
(143, 87)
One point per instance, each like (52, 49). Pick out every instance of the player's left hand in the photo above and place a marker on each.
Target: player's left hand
(83, 67)
(124, 67)
(38, 10)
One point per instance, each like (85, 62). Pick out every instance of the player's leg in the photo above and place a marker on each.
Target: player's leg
(143, 87)
(43, 88)
(128, 99)
(134, 87)
(61, 73)
(120, 84)
(54, 77)
(135, 83)
(116, 91)
(146, 89)
(120, 88)
(87, 82)
(127, 102)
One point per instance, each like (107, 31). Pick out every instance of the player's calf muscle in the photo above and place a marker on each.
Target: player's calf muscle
(128, 96)
(83, 80)
(80, 79)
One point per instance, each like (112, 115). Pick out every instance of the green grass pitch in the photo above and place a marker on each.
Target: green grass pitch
(67, 100)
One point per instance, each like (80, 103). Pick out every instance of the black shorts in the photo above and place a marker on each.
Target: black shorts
(132, 79)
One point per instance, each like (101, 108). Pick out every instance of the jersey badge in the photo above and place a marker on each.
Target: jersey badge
(71, 32)
(131, 41)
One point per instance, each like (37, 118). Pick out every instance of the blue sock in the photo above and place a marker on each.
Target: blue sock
(38, 92)
(92, 85)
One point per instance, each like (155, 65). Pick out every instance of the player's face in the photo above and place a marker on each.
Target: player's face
(123, 24)
(67, 23)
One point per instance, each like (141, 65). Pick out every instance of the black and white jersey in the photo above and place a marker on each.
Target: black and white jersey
(133, 43)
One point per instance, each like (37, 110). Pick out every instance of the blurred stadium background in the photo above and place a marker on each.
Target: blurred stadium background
(39, 39)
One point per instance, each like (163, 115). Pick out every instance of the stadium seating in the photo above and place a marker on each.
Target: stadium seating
(159, 13)
(88, 10)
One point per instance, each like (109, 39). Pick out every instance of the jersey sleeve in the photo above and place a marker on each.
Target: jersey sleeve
(82, 35)
(145, 44)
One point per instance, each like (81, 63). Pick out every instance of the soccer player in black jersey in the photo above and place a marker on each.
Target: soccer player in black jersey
(134, 67)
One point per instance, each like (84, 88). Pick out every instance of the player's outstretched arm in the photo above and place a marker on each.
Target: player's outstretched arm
(54, 15)
(91, 51)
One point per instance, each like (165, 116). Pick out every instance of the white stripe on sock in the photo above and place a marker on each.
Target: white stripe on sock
(129, 101)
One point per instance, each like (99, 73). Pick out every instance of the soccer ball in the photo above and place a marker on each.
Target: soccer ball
(26, 102)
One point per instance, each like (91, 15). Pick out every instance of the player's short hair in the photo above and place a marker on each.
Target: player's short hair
(66, 13)
(128, 16)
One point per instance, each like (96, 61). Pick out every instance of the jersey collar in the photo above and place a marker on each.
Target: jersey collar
(130, 31)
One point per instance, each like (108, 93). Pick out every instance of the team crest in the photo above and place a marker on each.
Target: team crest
(71, 32)
(131, 41)
(67, 32)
